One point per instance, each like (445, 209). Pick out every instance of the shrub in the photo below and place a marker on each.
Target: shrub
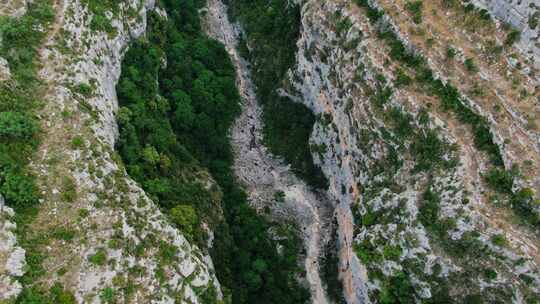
(69, 189)
(534, 20)
(77, 142)
(470, 66)
(62, 233)
(428, 151)
(279, 196)
(185, 218)
(525, 205)
(397, 289)
(15, 125)
(167, 252)
(392, 252)
(31, 295)
(490, 274)
(429, 210)
(373, 14)
(501, 180)
(99, 258)
(450, 52)
(83, 213)
(367, 252)
(108, 295)
(61, 296)
(484, 14)
(19, 188)
(84, 89)
(415, 8)
(512, 37)
(402, 79)
(499, 240)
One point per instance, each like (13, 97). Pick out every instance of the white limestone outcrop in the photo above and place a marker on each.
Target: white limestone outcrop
(12, 257)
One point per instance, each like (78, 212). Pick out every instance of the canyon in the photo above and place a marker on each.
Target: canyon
(425, 127)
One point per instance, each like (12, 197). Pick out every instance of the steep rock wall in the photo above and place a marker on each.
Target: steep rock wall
(367, 141)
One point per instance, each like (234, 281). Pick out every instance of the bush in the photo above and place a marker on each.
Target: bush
(19, 188)
(500, 180)
(69, 189)
(108, 295)
(402, 79)
(450, 53)
(77, 142)
(415, 8)
(397, 289)
(84, 89)
(470, 66)
(279, 196)
(15, 125)
(512, 37)
(428, 151)
(185, 218)
(61, 296)
(526, 206)
(392, 252)
(499, 240)
(429, 210)
(99, 258)
(367, 252)
(62, 233)
(490, 274)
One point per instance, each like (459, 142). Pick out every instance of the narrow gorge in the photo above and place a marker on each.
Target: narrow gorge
(269, 151)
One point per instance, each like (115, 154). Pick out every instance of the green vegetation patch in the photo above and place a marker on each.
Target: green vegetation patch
(174, 123)
(99, 10)
(19, 136)
(415, 9)
(18, 126)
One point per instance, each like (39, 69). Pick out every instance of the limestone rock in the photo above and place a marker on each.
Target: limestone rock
(12, 257)
(5, 73)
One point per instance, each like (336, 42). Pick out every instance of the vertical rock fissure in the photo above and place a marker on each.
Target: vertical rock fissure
(264, 176)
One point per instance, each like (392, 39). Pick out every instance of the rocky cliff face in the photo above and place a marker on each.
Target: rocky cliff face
(96, 232)
(413, 206)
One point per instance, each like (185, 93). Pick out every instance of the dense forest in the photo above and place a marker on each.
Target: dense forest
(174, 120)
